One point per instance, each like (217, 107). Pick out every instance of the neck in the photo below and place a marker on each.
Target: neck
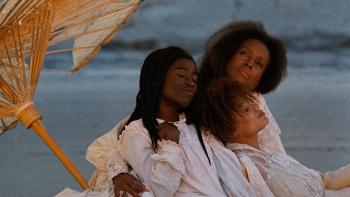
(251, 141)
(168, 112)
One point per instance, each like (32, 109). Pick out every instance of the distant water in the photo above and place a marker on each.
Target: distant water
(316, 32)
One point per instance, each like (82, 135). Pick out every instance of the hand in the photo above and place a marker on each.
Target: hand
(168, 131)
(128, 184)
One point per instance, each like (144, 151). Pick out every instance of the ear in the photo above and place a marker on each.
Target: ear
(235, 135)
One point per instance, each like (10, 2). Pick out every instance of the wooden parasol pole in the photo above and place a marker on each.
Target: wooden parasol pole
(31, 118)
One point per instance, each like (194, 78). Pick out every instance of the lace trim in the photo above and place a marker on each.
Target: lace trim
(116, 164)
(114, 168)
(168, 146)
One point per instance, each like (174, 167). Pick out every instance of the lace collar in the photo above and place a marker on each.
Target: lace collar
(182, 119)
(237, 146)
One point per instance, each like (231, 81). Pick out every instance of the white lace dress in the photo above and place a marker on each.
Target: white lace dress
(284, 175)
(175, 169)
(102, 152)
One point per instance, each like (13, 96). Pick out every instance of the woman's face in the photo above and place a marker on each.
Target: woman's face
(180, 83)
(248, 64)
(251, 120)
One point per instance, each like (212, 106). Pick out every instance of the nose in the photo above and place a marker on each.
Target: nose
(190, 81)
(250, 63)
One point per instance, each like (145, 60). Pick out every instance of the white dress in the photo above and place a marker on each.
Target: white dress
(103, 155)
(180, 169)
(284, 175)
(287, 177)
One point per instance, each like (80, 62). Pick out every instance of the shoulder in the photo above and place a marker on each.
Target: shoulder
(136, 125)
(135, 128)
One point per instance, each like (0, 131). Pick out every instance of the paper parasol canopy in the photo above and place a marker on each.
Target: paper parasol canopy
(27, 28)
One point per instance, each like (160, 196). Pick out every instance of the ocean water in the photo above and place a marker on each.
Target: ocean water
(316, 32)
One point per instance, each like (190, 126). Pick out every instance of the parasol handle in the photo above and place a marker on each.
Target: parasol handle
(31, 118)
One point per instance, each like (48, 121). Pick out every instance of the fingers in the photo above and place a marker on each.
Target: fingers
(144, 188)
(134, 194)
(116, 192)
(134, 186)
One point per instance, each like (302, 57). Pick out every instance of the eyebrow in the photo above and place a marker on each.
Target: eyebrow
(262, 59)
(252, 51)
(180, 68)
(184, 68)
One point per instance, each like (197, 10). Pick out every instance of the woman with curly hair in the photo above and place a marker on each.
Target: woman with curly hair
(230, 111)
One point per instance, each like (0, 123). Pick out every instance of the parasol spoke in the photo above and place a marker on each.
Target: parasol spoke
(6, 88)
(21, 64)
(8, 72)
(18, 59)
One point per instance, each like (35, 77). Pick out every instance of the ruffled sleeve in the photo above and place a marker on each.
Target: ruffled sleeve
(103, 154)
(105, 146)
(162, 170)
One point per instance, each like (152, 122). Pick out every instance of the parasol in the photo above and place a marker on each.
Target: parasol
(27, 29)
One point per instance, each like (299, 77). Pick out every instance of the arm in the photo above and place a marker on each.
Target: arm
(118, 174)
(337, 179)
(160, 171)
(103, 154)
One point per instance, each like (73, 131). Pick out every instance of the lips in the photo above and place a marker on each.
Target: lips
(261, 113)
(243, 72)
(189, 91)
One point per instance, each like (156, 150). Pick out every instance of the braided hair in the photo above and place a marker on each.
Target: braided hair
(153, 73)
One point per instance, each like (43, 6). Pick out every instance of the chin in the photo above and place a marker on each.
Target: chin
(263, 125)
(184, 104)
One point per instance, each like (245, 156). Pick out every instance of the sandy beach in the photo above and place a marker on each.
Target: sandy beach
(311, 107)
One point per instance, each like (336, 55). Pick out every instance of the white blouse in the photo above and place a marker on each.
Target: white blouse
(229, 169)
(102, 152)
(175, 169)
(284, 175)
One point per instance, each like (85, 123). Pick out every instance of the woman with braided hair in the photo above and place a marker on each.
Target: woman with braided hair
(166, 153)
